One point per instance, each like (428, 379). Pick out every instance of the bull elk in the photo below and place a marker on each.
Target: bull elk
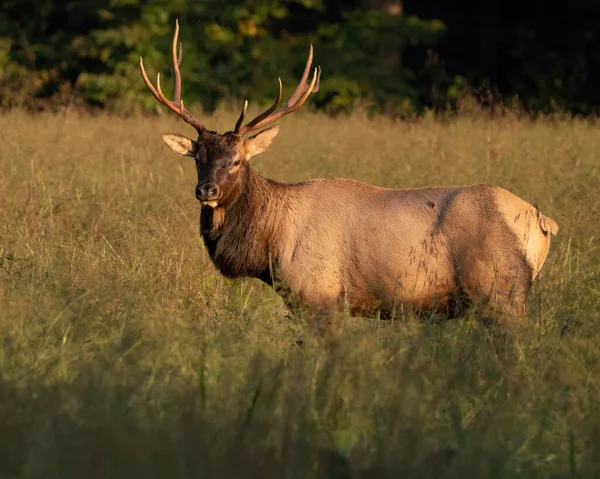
(329, 242)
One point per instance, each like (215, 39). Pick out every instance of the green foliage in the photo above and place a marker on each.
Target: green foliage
(88, 51)
(363, 56)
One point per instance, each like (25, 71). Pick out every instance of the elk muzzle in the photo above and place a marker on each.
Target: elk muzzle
(208, 194)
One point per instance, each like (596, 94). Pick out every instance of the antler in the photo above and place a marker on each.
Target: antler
(176, 105)
(296, 100)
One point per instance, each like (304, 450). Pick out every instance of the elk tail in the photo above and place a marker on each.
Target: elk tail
(547, 225)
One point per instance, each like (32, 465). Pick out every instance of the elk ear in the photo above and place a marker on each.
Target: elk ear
(261, 141)
(181, 145)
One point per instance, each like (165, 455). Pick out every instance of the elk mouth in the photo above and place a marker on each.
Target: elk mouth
(212, 203)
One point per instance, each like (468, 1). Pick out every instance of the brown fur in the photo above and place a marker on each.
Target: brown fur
(325, 242)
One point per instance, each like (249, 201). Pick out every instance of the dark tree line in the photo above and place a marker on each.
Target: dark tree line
(391, 56)
(546, 53)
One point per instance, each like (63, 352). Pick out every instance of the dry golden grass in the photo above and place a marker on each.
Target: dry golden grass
(125, 354)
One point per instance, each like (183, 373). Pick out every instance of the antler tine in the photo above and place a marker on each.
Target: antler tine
(163, 99)
(176, 63)
(238, 123)
(147, 81)
(307, 91)
(260, 117)
(175, 105)
(299, 96)
(302, 83)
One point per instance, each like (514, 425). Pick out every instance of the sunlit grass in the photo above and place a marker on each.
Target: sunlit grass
(125, 354)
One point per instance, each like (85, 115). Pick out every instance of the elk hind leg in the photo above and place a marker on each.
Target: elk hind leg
(500, 289)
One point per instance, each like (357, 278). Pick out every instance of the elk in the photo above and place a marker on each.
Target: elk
(327, 243)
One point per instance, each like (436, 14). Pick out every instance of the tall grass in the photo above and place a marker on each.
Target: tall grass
(124, 354)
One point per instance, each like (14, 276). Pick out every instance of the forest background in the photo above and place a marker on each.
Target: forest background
(389, 56)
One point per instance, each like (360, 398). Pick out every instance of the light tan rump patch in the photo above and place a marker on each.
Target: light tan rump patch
(529, 226)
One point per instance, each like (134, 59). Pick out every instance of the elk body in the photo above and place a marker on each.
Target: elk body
(327, 242)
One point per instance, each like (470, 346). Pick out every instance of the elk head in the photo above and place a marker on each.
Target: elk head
(222, 159)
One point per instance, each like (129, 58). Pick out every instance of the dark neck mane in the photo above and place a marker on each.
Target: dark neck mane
(248, 237)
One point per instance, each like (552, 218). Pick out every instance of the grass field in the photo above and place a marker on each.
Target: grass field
(124, 354)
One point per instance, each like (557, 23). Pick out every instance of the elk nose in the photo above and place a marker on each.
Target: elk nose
(207, 191)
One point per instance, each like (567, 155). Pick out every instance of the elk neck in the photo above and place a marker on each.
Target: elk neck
(245, 237)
